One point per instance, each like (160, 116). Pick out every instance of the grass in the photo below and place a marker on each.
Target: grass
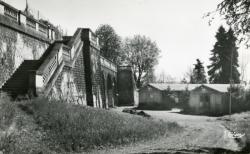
(18, 132)
(45, 126)
(7, 111)
(240, 123)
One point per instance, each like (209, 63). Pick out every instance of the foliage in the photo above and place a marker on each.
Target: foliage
(110, 42)
(187, 77)
(240, 98)
(150, 77)
(224, 58)
(163, 77)
(77, 128)
(142, 54)
(43, 126)
(184, 80)
(18, 133)
(198, 75)
(236, 13)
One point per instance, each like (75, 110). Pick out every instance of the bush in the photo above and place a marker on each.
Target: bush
(240, 100)
(76, 128)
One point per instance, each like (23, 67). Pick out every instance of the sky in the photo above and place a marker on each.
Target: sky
(177, 26)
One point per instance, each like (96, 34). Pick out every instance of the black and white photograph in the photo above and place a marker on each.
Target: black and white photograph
(124, 76)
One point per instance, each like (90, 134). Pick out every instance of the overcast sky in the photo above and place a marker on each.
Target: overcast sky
(177, 26)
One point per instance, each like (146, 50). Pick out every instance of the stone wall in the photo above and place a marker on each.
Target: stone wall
(16, 47)
(92, 77)
(97, 89)
(70, 85)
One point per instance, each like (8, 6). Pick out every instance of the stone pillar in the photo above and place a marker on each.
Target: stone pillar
(60, 56)
(22, 19)
(39, 84)
(53, 35)
(1, 9)
(37, 26)
(49, 33)
(97, 41)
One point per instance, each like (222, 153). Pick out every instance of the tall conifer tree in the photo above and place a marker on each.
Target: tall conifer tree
(223, 52)
(199, 74)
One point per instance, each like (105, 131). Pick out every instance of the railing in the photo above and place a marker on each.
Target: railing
(43, 29)
(48, 67)
(21, 18)
(31, 23)
(11, 13)
(61, 54)
(51, 68)
(108, 64)
(66, 54)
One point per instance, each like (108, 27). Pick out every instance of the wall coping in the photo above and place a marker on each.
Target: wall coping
(25, 23)
(6, 22)
(21, 12)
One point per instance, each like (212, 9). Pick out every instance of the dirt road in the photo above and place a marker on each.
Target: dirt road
(201, 134)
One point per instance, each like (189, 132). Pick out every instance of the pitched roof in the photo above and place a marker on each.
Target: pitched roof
(174, 87)
(218, 87)
(181, 87)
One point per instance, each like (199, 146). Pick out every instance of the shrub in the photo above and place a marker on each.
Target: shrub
(184, 100)
(77, 128)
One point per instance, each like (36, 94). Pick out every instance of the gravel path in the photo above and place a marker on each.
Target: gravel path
(201, 134)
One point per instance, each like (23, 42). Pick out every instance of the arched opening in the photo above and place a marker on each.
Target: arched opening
(115, 92)
(110, 91)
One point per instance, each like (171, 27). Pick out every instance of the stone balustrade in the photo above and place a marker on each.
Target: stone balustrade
(29, 22)
(108, 64)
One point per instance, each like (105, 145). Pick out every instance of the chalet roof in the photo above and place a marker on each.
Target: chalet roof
(223, 88)
(174, 87)
(181, 87)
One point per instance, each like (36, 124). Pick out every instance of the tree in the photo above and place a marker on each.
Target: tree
(142, 54)
(150, 76)
(165, 78)
(224, 58)
(184, 81)
(188, 75)
(198, 75)
(236, 13)
(110, 42)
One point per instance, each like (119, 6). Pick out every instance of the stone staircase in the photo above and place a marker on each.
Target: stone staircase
(24, 81)
(18, 83)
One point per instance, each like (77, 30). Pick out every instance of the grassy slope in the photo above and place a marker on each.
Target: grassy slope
(240, 123)
(43, 126)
